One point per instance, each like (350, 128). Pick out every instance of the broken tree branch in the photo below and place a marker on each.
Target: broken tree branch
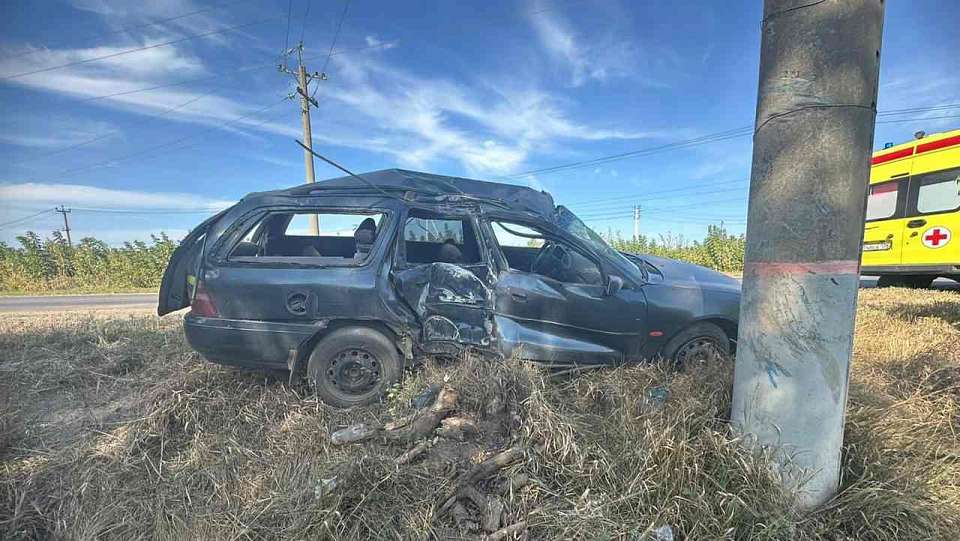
(503, 533)
(413, 453)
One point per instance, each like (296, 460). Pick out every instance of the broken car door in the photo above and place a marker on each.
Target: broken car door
(441, 275)
(555, 303)
(180, 276)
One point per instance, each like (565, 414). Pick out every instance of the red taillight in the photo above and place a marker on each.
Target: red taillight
(202, 304)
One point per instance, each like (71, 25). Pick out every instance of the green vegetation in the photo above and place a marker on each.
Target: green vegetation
(719, 250)
(51, 265)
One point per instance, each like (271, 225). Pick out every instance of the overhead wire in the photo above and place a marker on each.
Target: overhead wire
(336, 35)
(134, 50)
(286, 39)
(127, 29)
(162, 114)
(725, 135)
(303, 25)
(26, 218)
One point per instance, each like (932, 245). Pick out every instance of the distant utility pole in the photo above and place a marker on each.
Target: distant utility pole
(636, 223)
(303, 84)
(66, 223)
(819, 65)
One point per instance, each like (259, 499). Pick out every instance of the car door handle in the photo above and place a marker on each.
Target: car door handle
(518, 296)
(916, 223)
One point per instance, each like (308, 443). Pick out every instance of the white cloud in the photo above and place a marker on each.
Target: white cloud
(35, 194)
(419, 120)
(597, 57)
(140, 15)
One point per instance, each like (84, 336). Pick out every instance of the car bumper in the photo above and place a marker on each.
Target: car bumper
(246, 343)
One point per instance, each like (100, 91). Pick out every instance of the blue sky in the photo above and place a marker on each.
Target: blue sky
(480, 89)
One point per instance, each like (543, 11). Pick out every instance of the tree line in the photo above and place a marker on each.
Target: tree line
(51, 264)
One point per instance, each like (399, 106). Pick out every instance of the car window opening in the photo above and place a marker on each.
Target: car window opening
(528, 250)
(430, 239)
(341, 236)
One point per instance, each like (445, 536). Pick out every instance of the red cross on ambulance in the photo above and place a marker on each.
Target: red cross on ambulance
(936, 237)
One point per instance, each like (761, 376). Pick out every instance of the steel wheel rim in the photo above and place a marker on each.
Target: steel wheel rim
(700, 350)
(353, 372)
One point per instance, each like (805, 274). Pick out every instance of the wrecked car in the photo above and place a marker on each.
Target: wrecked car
(347, 281)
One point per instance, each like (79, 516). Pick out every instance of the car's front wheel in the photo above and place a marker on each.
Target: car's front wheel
(353, 366)
(698, 344)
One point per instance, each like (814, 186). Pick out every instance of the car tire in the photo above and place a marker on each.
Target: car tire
(688, 345)
(353, 366)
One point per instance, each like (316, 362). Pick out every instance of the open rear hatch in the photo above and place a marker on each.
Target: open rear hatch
(180, 276)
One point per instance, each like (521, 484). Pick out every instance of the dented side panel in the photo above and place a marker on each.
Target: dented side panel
(454, 306)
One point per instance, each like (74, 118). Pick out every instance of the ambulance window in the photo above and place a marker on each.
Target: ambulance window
(938, 192)
(882, 200)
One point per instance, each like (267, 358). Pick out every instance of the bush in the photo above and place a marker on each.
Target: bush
(51, 264)
(719, 250)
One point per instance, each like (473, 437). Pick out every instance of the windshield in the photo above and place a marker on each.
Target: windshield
(569, 222)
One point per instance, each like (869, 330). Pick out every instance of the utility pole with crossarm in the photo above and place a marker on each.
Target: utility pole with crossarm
(66, 223)
(306, 100)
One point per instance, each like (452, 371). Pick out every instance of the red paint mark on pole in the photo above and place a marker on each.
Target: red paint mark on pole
(768, 268)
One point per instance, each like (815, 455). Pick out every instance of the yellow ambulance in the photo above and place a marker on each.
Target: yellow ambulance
(913, 212)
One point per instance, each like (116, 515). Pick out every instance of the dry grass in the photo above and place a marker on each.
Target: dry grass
(112, 428)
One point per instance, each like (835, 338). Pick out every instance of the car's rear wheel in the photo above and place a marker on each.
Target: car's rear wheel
(700, 343)
(353, 366)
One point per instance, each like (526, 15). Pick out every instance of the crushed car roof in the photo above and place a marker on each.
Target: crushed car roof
(427, 186)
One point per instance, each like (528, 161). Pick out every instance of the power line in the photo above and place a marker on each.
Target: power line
(147, 210)
(303, 26)
(916, 119)
(111, 134)
(607, 200)
(286, 39)
(168, 144)
(336, 35)
(135, 50)
(709, 138)
(26, 218)
(125, 29)
(714, 137)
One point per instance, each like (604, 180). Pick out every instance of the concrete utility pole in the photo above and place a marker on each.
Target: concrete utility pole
(819, 65)
(303, 84)
(636, 223)
(66, 223)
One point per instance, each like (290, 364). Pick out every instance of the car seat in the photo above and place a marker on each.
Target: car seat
(449, 252)
(364, 237)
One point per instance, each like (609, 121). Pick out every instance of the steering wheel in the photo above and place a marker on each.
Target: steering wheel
(552, 260)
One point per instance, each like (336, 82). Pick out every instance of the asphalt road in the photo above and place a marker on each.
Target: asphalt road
(140, 301)
(942, 284)
(59, 303)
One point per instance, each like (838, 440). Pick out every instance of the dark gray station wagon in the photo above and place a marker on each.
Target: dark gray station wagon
(346, 281)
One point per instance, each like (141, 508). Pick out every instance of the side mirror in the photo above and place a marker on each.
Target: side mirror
(614, 284)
